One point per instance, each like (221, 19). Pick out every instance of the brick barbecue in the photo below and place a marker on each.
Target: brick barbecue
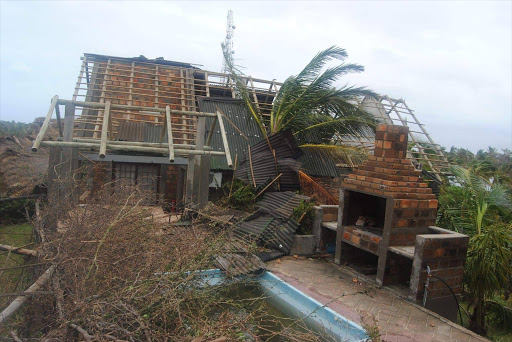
(387, 216)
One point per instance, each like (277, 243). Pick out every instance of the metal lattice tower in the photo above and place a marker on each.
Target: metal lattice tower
(227, 45)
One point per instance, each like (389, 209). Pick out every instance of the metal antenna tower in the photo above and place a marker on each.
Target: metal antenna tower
(227, 45)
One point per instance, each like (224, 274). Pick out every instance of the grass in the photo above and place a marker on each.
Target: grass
(14, 280)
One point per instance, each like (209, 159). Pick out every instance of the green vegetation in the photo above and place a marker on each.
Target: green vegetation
(239, 195)
(14, 211)
(476, 201)
(13, 280)
(13, 128)
(304, 215)
(311, 107)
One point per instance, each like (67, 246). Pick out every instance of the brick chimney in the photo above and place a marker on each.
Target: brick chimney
(389, 173)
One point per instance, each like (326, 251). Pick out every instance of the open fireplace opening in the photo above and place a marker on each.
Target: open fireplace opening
(364, 210)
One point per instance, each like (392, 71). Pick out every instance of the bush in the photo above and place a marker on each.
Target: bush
(304, 215)
(242, 195)
(14, 211)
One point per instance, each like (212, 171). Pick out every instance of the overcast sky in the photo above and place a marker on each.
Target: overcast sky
(450, 61)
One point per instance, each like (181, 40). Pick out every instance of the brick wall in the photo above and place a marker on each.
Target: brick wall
(362, 239)
(171, 182)
(445, 253)
(389, 173)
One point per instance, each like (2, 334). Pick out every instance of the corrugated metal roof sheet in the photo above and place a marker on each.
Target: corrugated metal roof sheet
(264, 164)
(317, 164)
(239, 263)
(152, 133)
(279, 235)
(139, 132)
(280, 204)
(130, 131)
(313, 163)
(240, 117)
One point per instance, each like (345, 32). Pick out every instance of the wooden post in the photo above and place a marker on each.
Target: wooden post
(250, 165)
(45, 125)
(104, 130)
(169, 132)
(69, 154)
(194, 167)
(59, 123)
(224, 140)
(210, 133)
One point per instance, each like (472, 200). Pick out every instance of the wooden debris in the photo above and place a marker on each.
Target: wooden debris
(18, 301)
(18, 250)
(14, 336)
(84, 333)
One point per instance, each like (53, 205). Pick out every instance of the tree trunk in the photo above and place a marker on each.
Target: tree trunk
(476, 321)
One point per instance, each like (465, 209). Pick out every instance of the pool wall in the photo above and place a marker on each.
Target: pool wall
(296, 303)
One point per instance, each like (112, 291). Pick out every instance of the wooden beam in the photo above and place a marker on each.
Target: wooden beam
(224, 139)
(269, 184)
(133, 148)
(104, 130)
(250, 165)
(141, 108)
(210, 133)
(18, 250)
(18, 301)
(136, 143)
(59, 122)
(169, 133)
(46, 122)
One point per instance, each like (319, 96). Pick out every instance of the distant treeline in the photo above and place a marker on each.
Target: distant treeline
(13, 128)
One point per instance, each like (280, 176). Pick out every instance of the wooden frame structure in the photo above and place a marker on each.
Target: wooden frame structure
(422, 148)
(106, 140)
(154, 84)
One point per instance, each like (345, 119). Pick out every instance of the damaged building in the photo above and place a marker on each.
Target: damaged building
(176, 130)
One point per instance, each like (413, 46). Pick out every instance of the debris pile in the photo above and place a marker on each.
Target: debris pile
(270, 227)
(118, 274)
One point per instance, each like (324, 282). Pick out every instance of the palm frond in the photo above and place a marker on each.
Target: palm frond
(243, 93)
(318, 62)
(348, 155)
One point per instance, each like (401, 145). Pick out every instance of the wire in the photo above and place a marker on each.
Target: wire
(454, 296)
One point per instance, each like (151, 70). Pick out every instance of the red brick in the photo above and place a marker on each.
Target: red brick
(439, 252)
(355, 239)
(432, 204)
(402, 223)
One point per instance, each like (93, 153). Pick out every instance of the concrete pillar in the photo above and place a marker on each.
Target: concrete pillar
(198, 171)
(317, 226)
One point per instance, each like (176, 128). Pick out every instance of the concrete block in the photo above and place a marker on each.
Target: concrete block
(303, 245)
